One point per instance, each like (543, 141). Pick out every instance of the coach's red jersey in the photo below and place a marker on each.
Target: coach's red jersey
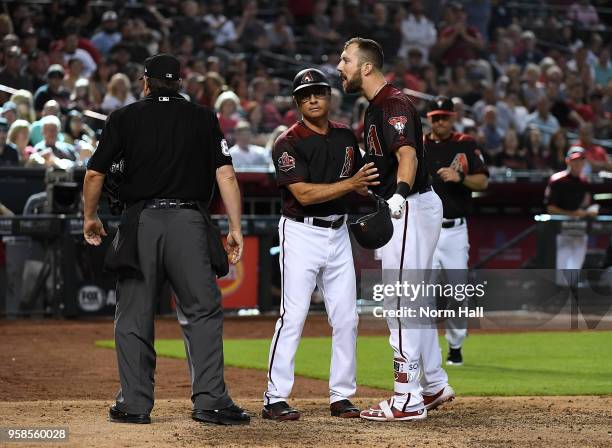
(391, 121)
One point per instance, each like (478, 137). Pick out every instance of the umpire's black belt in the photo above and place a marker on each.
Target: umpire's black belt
(170, 204)
(320, 222)
(449, 223)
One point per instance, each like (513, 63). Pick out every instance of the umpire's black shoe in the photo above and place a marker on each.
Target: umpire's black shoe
(454, 357)
(280, 411)
(232, 415)
(117, 416)
(344, 409)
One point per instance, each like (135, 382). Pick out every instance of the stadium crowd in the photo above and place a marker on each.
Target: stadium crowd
(528, 79)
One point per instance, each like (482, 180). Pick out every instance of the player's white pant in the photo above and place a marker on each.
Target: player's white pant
(412, 247)
(452, 254)
(314, 256)
(571, 252)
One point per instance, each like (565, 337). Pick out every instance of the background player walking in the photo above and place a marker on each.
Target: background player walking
(457, 168)
(317, 163)
(394, 142)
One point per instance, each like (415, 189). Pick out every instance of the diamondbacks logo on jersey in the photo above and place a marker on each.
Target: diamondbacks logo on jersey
(224, 147)
(399, 123)
(307, 78)
(460, 163)
(286, 162)
(349, 161)
(374, 147)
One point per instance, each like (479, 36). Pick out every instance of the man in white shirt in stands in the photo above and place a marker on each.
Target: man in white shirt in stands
(246, 155)
(417, 31)
(543, 119)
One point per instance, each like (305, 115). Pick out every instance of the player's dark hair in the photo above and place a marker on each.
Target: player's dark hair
(369, 51)
(163, 84)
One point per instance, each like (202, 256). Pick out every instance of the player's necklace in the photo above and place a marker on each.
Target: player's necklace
(379, 89)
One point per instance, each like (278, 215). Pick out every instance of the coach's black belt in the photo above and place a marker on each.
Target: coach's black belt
(170, 204)
(447, 224)
(422, 190)
(321, 222)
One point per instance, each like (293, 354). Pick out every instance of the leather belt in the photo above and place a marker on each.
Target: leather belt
(320, 222)
(422, 190)
(170, 204)
(450, 223)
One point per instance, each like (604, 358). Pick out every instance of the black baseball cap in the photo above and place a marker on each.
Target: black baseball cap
(309, 77)
(441, 105)
(162, 66)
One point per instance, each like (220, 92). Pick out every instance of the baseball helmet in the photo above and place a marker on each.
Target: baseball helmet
(309, 77)
(441, 106)
(375, 230)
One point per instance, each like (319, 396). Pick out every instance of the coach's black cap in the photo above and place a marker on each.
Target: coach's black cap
(309, 77)
(162, 66)
(441, 106)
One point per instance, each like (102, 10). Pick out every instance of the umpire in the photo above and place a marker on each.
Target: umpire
(172, 151)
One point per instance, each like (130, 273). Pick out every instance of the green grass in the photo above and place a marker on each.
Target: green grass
(576, 363)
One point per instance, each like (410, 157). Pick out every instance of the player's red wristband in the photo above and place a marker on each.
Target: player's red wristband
(403, 189)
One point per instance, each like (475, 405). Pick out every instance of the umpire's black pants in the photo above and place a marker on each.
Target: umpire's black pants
(172, 247)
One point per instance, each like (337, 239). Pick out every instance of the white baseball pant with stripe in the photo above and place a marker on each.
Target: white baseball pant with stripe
(452, 254)
(323, 257)
(412, 246)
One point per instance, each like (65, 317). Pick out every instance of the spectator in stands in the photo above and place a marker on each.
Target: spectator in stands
(244, 154)
(417, 31)
(227, 106)
(583, 14)
(75, 129)
(72, 51)
(99, 83)
(25, 107)
(603, 68)
(505, 117)
(382, 31)
(9, 155)
(10, 73)
(280, 36)
(502, 58)
(531, 88)
(575, 94)
(51, 147)
(51, 107)
(519, 112)
(109, 34)
(512, 155)
(188, 22)
(118, 94)
(209, 48)
(461, 121)
(214, 84)
(320, 29)
(9, 112)
(543, 119)
(19, 135)
(80, 98)
(490, 134)
(459, 42)
(36, 69)
(529, 54)
(559, 145)
(75, 68)
(250, 30)
(220, 26)
(272, 139)
(596, 156)
(602, 120)
(52, 90)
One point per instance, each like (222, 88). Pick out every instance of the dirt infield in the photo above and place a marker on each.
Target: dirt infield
(53, 375)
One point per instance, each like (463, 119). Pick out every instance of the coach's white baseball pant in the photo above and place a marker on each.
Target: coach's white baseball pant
(314, 256)
(452, 254)
(412, 246)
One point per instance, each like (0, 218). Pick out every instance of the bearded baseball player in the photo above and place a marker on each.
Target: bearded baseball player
(394, 142)
(457, 168)
(317, 163)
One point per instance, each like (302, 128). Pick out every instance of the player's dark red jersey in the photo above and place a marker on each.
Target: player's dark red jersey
(458, 151)
(391, 121)
(567, 192)
(302, 155)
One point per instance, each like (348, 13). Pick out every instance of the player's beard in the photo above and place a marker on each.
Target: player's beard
(353, 85)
